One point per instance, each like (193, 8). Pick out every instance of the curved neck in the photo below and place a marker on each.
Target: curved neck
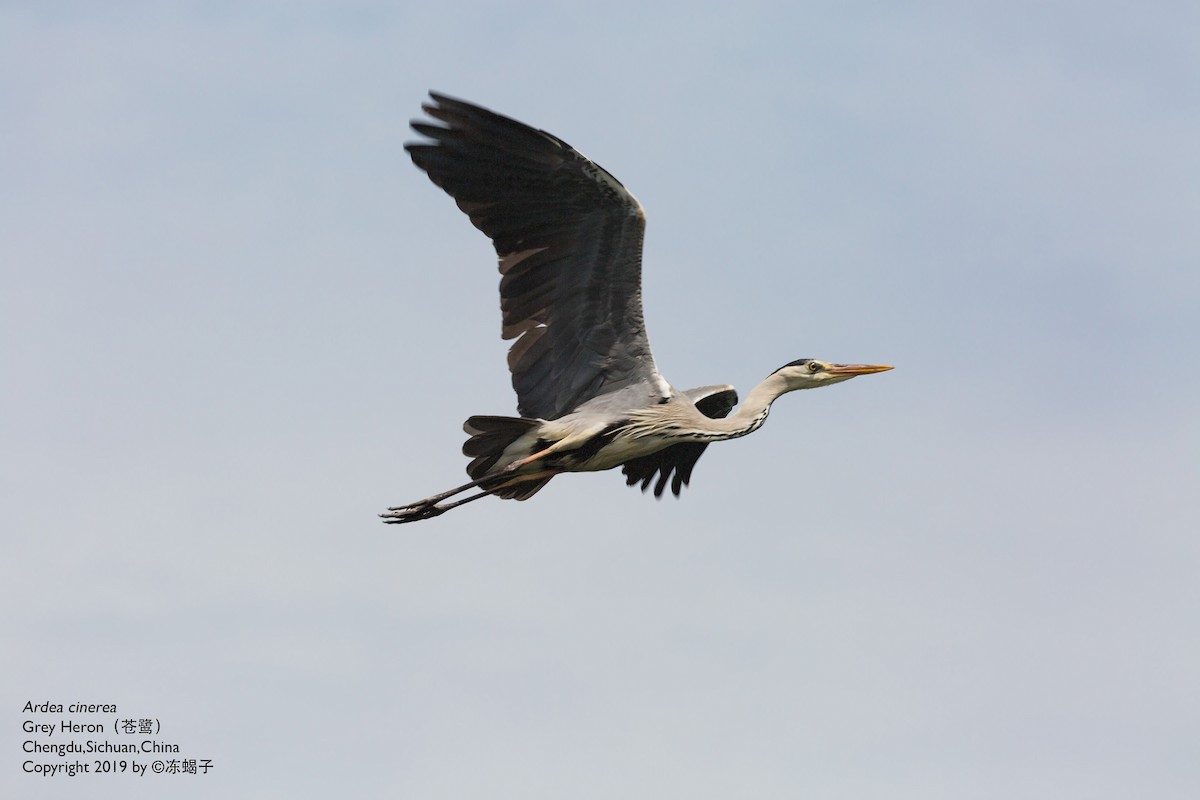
(751, 414)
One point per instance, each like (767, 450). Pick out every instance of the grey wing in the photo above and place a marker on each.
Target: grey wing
(679, 459)
(569, 237)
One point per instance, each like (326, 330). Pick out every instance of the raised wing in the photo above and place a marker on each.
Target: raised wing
(569, 237)
(680, 459)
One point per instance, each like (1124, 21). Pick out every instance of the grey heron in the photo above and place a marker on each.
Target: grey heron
(590, 397)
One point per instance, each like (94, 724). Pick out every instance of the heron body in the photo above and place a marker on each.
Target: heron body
(569, 240)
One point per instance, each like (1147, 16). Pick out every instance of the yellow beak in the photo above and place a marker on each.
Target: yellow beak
(856, 369)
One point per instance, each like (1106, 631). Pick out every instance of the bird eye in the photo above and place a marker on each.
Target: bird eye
(814, 366)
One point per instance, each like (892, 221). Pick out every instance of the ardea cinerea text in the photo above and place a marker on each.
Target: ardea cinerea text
(569, 237)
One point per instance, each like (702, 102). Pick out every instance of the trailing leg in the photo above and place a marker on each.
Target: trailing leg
(518, 488)
(493, 441)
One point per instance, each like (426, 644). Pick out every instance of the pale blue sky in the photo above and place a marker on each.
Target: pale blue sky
(237, 323)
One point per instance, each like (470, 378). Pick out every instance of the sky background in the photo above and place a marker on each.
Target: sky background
(236, 323)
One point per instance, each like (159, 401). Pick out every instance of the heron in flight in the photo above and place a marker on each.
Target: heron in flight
(569, 238)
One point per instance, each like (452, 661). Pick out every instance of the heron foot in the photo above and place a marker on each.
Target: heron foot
(413, 513)
(420, 504)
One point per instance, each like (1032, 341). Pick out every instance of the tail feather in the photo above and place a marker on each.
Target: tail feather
(489, 438)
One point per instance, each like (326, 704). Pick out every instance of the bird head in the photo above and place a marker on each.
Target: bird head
(809, 373)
